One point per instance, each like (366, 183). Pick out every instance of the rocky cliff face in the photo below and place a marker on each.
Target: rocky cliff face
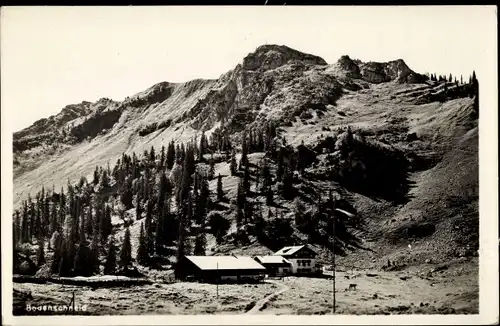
(379, 72)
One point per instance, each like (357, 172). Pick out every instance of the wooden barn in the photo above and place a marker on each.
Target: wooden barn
(221, 269)
(275, 265)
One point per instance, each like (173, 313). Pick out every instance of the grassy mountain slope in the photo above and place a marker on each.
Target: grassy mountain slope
(433, 125)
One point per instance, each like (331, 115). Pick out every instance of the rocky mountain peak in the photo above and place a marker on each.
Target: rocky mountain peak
(271, 56)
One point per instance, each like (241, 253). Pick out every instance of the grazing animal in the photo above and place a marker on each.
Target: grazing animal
(352, 286)
(346, 277)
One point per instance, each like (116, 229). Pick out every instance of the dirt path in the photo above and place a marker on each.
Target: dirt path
(261, 303)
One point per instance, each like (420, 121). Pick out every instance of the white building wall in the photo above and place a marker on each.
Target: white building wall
(295, 264)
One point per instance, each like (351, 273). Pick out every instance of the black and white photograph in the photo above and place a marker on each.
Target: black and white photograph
(257, 161)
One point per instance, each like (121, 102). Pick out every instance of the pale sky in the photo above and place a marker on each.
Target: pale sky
(54, 56)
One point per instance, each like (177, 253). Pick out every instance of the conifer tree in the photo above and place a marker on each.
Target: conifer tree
(203, 201)
(126, 252)
(269, 196)
(82, 264)
(159, 239)
(170, 155)
(54, 225)
(246, 180)
(41, 252)
(244, 152)
(16, 229)
(66, 262)
(56, 243)
(89, 222)
(127, 195)
(149, 226)
(211, 171)
(232, 164)
(25, 224)
(200, 244)
(161, 163)
(142, 250)
(181, 234)
(110, 264)
(240, 201)
(203, 146)
(287, 183)
(81, 236)
(105, 222)
(220, 191)
(138, 207)
(187, 179)
(96, 176)
(152, 156)
(93, 260)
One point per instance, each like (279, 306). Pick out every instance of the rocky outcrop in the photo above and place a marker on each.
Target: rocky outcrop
(349, 67)
(397, 70)
(272, 56)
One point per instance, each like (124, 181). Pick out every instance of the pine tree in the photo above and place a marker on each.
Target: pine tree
(180, 240)
(110, 264)
(152, 156)
(220, 191)
(93, 260)
(25, 224)
(105, 222)
(211, 171)
(149, 226)
(126, 252)
(161, 163)
(450, 79)
(244, 152)
(66, 262)
(187, 179)
(104, 182)
(170, 155)
(159, 239)
(127, 195)
(240, 201)
(54, 225)
(96, 176)
(89, 222)
(56, 244)
(82, 237)
(461, 80)
(246, 180)
(203, 146)
(200, 245)
(138, 207)
(202, 202)
(82, 264)
(232, 164)
(142, 250)
(287, 183)
(16, 229)
(41, 252)
(269, 196)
